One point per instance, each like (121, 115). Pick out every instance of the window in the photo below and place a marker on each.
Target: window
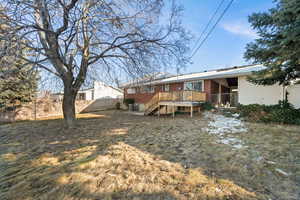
(151, 89)
(165, 88)
(131, 91)
(188, 86)
(147, 89)
(195, 85)
(81, 96)
(198, 86)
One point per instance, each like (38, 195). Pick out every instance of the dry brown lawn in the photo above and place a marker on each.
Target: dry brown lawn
(114, 155)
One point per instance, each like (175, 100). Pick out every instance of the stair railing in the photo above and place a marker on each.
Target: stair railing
(153, 101)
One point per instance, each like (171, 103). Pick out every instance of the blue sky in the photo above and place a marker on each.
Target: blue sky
(226, 45)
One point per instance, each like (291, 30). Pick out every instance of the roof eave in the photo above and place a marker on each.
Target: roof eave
(190, 79)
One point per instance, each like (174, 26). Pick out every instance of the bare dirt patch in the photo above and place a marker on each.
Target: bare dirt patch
(114, 155)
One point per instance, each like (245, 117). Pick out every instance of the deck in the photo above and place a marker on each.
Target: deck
(174, 100)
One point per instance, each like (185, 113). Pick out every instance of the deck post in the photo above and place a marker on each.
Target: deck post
(158, 111)
(173, 111)
(191, 110)
(192, 96)
(219, 96)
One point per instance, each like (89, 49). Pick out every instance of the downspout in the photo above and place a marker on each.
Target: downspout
(285, 93)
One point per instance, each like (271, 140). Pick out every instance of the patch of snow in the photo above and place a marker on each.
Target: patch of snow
(280, 171)
(270, 162)
(234, 142)
(220, 124)
(236, 115)
(259, 158)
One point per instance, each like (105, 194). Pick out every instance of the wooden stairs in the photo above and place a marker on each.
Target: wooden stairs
(152, 106)
(154, 110)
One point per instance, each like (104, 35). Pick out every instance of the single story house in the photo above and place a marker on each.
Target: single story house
(99, 90)
(222, 87)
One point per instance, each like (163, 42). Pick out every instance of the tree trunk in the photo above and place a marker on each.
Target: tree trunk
(69, 106)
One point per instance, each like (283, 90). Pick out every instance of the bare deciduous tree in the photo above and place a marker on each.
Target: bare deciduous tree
(68, 37)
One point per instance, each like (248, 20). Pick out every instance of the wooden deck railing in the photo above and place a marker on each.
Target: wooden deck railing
(175, 96)
(182, 96)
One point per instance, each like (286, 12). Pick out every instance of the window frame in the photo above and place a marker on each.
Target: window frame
(166, 86)
(147, 89)
(193, 86)
(131, 89)
(81, 96)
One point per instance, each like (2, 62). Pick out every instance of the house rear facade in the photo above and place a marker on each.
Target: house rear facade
(224, 87)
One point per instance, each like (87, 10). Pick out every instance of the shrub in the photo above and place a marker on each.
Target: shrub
(206, 106)
(118, 105)
(283, 113)
(128, 101)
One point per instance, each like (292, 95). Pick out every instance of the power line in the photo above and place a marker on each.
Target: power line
(207, 25)
(214, 26)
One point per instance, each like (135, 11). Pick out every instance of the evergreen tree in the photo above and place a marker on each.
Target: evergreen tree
(18, 82)
(278, 45)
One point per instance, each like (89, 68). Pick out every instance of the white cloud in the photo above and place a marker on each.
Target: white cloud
(239, 28)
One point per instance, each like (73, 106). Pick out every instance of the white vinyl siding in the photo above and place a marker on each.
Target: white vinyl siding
(294, 95)
(258, 94)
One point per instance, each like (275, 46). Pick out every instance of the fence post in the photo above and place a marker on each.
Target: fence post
(35, 108)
